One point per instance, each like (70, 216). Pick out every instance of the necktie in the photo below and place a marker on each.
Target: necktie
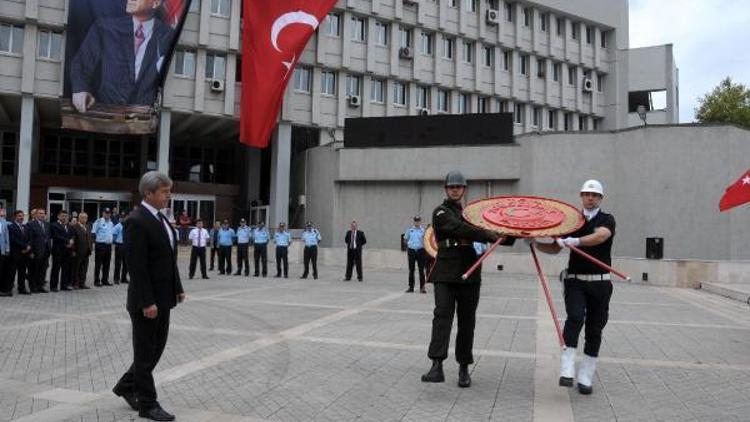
(139, 38)
(354, 239)
(200, 238)
(163, 222)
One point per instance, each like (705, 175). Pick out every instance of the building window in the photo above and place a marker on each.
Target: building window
(599, 83)
(571, 75)
(483, 105)
(426, 43)
(78, 154)
(464, 106)
(352, 85)
(377, 90)
(551, 119)
(526, 16)
(597, 123)
(589, 34)
(567, 121)
(381, 33)
(184, 62)
(583, 123)
(358, 29)
(444, 101)
(603, 42)
(574, 30)
(202, 163)
(452, 3)
(543, 21)
(556, 71)
(560, 26)
(11, 38)
(220, 8)
(541, 68)
(467, 52)
(447, 47)
(215, 65)
(537, 117)
(502, 106)
(488, 55)
(471, 5)
(328, 82)
(404, 35)
(493, 4)
(524, 65)
(333, 25)
(8, 153)
(506, 59)
(302, 79)
(399, 93)
(509, 11)
(518, 114)
(49, 45)
(195, 6)
(423, 96)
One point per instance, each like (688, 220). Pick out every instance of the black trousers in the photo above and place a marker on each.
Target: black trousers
(310, 255)
(149, 339)
(416, 256)
(353, 258)
(214, 254)
(243, 257)
(79, 269)
(19, 265)
(121, 269)
(6, 283)
(60, 275)
(586, 302)
(37, 272)
(102, 257)
(198, 254)
(260, 256)
(282, 260)
(225, 259)
(461, 298)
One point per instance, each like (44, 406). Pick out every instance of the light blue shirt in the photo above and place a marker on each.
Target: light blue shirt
(226, 237)
(480, 247)
(260, 236)
(103, 231)
(414, 237)
(117, 233)
(244, 234)
(4, 238)
(282, 238)
(311, 237)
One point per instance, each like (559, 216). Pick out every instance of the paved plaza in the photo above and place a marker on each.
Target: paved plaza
(267, 349)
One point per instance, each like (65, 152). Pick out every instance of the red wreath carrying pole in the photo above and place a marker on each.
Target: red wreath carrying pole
(599, 263)
(482, 258)
(545, 287)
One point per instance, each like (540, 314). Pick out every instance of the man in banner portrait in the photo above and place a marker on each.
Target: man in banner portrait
(121, 61)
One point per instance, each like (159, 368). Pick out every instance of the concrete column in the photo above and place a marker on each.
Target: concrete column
(29, 59)
(253, 174)
(281, 158)
(165, 130)
(25, 142)
(346, 39)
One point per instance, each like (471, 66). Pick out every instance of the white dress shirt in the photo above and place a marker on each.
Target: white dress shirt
(199, 237)
(148, 30)
(589, 214)
(155, 212)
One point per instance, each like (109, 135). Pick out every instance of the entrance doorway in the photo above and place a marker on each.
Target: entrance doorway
(91, 202)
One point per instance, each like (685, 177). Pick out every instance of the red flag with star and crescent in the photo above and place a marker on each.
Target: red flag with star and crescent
(274, 34)
(737, 194)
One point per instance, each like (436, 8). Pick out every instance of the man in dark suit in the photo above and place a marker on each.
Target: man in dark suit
(355, 240)
(155, 288)
(62, 249)
(121, 59)
(81, 251)
(20, 252)
(39, 233)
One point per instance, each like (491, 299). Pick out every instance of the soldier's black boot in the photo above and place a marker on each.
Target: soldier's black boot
(435, 374)
(464, 379)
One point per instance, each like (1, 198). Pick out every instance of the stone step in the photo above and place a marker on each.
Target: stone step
(736, 291)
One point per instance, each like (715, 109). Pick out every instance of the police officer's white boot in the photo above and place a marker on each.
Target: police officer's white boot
(567, 367)
(586, 374)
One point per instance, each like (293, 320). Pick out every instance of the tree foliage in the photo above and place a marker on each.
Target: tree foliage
(727, 103)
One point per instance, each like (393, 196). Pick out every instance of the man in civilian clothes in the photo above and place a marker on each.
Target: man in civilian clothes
(355, 240)
(226, 240)
(214, 243)
(41, 247)
(118, 237)
(244, 237)
(311, 237)
(155, 288)
(260, 248)
(102, 231)
(282, 239)
(62, 249)
(20, 252)
(81, 251)
(6, 284)
(199, 238)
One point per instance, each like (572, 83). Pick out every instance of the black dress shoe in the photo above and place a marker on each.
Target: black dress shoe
(42, 290)
(237, 273)
(409, 290)
(464, 379)
(124, 282)
(6, 294)
(205, 277)
(435, 374)
(359, 279)
(106, 283)
(303, 277)
(24, 292)
(66, 288)
(315, 277)
(348, 279)
(84, 287)
(128, 396)
(156, 413)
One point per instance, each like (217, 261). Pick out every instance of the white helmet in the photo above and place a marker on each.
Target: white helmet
(592, 186)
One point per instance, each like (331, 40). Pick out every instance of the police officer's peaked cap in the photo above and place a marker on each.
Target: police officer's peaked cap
(455, 178)
(309, 223)
(106, 210)
(417, 218)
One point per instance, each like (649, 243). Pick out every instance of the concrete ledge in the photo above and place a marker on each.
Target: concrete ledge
(738, 292)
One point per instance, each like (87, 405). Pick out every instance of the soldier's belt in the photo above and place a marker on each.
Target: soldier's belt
(452, 243)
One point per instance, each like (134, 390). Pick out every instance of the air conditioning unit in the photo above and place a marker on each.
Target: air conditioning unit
(424, 112)
(355, 101)
(217, 85)
(588, 85)
(406, 53)
(493, 17)
(411, 2)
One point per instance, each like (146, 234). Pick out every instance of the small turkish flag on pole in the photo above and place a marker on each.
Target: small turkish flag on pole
(274, 34)
(737, 194)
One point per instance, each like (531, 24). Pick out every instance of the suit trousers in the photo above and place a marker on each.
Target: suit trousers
(282, 260)
(60, 274)
(416, 256)
(19, 265)
(198, 254)
(79, 269)
(461, 298)
(214, 255)
(260, 256)
(102, 257)
(586, 302)
(225, 259)
(37, 272)
(6, 280)
(353, 258)
(310, 255)
(243, 257)
(149, 339)
(121, 268)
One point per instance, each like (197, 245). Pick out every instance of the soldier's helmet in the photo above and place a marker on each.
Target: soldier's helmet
(455, 178)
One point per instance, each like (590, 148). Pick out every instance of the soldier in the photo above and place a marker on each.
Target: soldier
(456, 254)
(311, 237)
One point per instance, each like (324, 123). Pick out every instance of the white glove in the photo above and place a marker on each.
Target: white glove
(82, 101)
(529, 241)
(568, 241)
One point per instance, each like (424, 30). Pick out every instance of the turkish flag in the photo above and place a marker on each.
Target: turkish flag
(274, 34)
(737, 194)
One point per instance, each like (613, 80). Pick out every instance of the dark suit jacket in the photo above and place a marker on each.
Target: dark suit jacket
(81, 239)
(60, 237)
(105, 63)
(19, 239)
(361, 240)
(151, 261)
(40, 239)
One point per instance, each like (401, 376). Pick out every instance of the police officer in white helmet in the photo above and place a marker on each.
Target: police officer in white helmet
(587, 287)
